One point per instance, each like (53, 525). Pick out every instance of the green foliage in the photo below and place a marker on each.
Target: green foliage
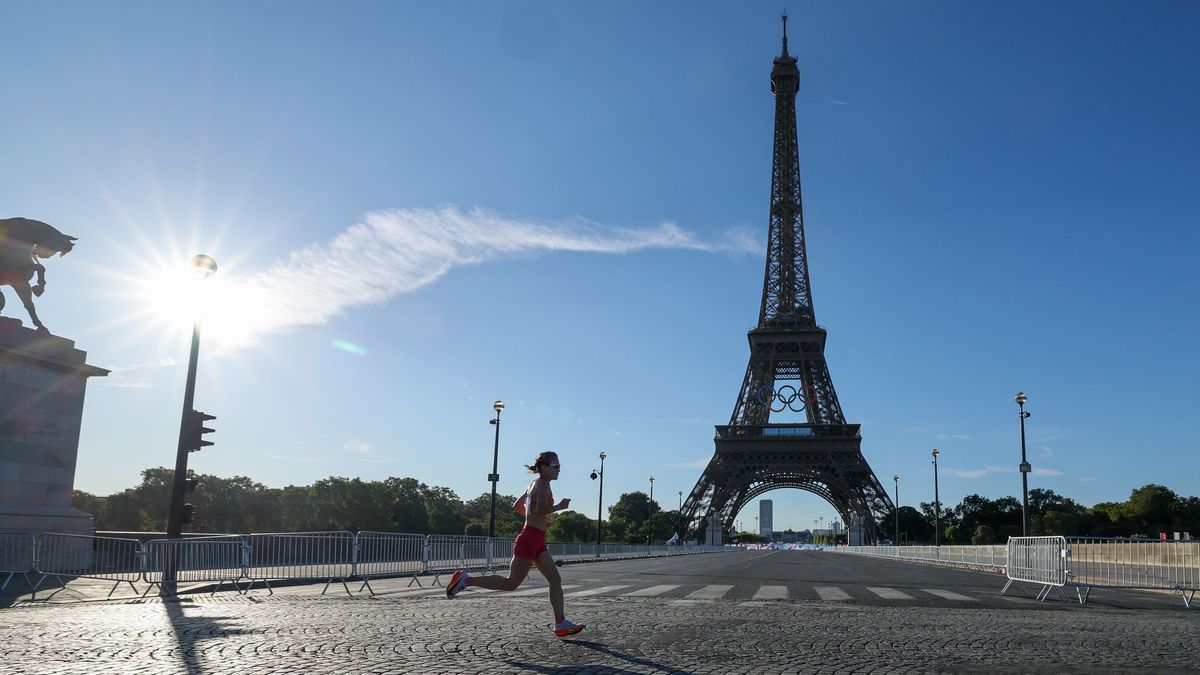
(240, 504)
(569, 526)
(983, 535)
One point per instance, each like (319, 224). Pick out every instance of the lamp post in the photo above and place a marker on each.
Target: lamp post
(204, 267)
(681, 501)
(650, 520)
(1025, 467)
(896, 541)
(600, 505)
(494, 476)
(937, 503)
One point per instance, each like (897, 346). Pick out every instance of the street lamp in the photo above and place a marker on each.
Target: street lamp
(494, 476)
(681, 502)
(896, 478)
(1025, 467)
(650, 520)
(600, 506)
(204, 266)
(937, 503)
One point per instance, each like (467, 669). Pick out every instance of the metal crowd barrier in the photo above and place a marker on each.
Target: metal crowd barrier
(301, 555)
(1038, 560)
(194, 560)
(76, 555)
(16, 555)
(1133, 563)
(277, 556)
(993, 558)
(390, 554)
(446, 553)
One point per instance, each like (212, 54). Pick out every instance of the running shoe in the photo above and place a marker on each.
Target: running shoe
(566, 627)
(457, 583)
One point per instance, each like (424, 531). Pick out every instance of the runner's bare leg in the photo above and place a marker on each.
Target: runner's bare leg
(518, 569)
(545, 565)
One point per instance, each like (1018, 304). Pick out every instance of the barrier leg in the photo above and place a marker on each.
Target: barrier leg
(366, 584)
(222, 583)
(1187, 597)
(414, 578)
(1083, 593)
(114, 588)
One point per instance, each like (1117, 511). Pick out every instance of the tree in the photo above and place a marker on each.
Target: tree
(570, 526)
(913, 526)
(90, 503)
(1153, 508)
(407, 505)
(445, 510)
(508, 521)
(1058, 523)
(629, 514)
(946, 518)
(983, 535)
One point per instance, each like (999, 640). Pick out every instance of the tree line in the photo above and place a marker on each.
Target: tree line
(241, 505)
(1150, 510)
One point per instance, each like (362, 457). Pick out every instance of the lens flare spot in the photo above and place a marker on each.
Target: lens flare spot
(349, 348)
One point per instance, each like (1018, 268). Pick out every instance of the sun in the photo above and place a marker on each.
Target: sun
(231, 312)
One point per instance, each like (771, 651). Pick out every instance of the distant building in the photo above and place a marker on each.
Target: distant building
(765, 509)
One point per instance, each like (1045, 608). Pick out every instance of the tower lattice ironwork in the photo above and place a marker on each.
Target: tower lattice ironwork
(787, 375)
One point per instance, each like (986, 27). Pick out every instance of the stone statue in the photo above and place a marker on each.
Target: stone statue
(22, 242)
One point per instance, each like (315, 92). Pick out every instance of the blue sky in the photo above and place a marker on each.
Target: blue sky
(420, 208)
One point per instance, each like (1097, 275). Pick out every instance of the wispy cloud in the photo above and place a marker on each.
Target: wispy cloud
(980, 473)
(400, 250)
(122, 376)
(834, 101)
(356, 447)
(956, 437)
(694, 464)
(1047, 451)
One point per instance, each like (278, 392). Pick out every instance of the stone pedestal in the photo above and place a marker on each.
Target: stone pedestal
(42, 382)
(856, 534)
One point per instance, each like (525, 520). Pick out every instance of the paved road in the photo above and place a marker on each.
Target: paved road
(749, 612)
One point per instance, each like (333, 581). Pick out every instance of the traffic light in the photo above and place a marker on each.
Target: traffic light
(196, 430)
(189, 513)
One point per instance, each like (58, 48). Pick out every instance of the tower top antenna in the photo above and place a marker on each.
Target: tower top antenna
(785, 18)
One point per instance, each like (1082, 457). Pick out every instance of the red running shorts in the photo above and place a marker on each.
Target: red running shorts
(530, 543)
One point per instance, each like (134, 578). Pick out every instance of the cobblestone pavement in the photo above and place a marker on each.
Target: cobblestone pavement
(485, 632)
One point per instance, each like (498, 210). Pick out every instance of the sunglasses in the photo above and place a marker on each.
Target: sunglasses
(553, 466)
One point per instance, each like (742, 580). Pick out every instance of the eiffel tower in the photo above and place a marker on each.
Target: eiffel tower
(787, 375)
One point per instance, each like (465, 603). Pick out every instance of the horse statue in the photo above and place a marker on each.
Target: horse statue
(22, 242)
